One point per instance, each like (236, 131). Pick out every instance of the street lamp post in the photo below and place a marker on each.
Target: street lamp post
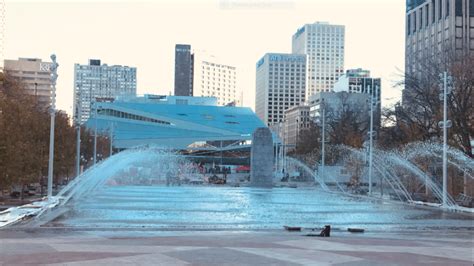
(111, 151)
(78, 134)
(445, 124)
(95, 131)
(371, 133)
(323, 137)
(52, 111)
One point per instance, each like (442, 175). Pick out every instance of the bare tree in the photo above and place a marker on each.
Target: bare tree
(418, 116)
(348, 121)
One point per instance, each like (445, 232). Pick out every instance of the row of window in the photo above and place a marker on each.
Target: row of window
(420, 18)
(120, 114)
(217, 65)
(328, 30)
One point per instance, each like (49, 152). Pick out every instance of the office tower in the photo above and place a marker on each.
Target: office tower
(297, 119)
(35, 74)
(280, 85)
(435, 30)
(183, 70)
(323, 44)
(434, 27)
(213, 77)
(97, 82)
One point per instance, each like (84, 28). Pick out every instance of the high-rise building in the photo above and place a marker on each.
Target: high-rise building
(435, 30)
(183, 70)
(436, 26)
(214, 78)
(280, 85)
(201, 74)
(323, 44)
(359, 81)
(35, 74)
(297, 119)
(96, 82)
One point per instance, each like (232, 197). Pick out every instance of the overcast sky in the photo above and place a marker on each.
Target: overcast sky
(143, 34)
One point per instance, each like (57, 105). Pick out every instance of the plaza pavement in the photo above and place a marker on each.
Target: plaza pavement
(48, 246)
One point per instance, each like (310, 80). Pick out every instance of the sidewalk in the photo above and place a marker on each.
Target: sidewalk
(63, 247)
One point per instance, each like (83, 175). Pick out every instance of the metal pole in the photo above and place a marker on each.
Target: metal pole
(323, 139)
(445, 139)
(283, 165)
(54, 77)
(95, 132)
(221, 155)
(111, 152)
(275, 158)
(280, 149)
(371, 133)
(78, 135)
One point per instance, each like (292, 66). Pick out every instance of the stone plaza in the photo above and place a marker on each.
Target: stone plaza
(143, 247)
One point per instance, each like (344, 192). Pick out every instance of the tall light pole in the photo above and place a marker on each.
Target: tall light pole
(95, 131)
(285, 147)
(371, 134)
(323, 137)
(111, 151)
(52, 111)
(445, 124)
(78, 134)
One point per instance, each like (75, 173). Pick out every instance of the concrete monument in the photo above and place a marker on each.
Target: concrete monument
(261, 158)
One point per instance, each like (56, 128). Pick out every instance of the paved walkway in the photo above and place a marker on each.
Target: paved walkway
(62, 247)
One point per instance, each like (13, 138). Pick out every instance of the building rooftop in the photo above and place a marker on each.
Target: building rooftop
(173, 125)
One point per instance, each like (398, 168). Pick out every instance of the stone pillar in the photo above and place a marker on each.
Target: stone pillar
(261, 158)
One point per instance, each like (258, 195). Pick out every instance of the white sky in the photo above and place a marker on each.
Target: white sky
(143, 34)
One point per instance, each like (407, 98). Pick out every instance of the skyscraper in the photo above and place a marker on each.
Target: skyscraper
(436, 26)
(435, 31)
(280, 85)
(183, 70)
(35, 74)
(97, 81)
(323, 44)
(213, 77)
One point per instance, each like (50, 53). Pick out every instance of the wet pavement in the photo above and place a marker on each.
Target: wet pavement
(237, 226)
(227, 208)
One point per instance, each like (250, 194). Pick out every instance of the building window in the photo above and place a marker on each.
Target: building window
(471, 8)
(440, 9)
(458, 8)
(414, 21)
(433, 11)
(447, 8)
(427, 15)
(422, 16)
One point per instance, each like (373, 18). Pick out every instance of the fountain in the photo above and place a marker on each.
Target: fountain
(133, 185)
(398, 173)
(137, 166)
